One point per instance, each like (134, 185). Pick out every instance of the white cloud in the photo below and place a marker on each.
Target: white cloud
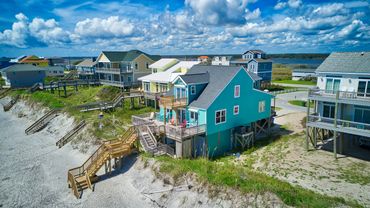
(253, 15)
(330, 9)
(289, 3)
(104, 28)
(18, 34)
(217, 12)
(48, 31)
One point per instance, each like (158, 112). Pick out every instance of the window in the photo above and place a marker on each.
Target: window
(261, 106)
(129, 79)
(192, 89)
(147, 65)
(237, 91)
(362, 114)
(363, 89)
(157, 87)
(194, 115)
(329, 110)
(332, 85)
(136, 66)
(154, 71)
(220, 116)
(236, 109)
(146, 86)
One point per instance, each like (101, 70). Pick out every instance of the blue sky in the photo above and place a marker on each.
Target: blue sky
(84, 28)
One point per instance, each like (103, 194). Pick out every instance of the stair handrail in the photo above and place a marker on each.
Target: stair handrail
(73, 184)
(61, 142)
(151, 135)
(41, 120)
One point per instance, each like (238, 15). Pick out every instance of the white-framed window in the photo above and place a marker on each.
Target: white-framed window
(146, 86)
(236, 109)
(220, 116)
(237, 91)
(261, 106)
(193, 115)
(192, 89)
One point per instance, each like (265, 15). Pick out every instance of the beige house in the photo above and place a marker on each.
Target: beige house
(123, 68)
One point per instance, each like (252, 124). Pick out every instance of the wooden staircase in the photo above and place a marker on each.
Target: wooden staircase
(34, 87)
(83, 177)
(42, 122)
(3, 93)
(150, 144)
(11, 103)
(70, 135)
(71, 75)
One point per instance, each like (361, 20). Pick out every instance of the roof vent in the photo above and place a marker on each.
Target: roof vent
(362, 53)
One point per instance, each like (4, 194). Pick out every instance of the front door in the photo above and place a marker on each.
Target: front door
(182, 116)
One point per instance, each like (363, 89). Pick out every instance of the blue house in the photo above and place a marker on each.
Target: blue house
(209, 108)
(22, 75)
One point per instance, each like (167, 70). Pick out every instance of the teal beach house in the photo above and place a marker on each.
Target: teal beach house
(208, 107)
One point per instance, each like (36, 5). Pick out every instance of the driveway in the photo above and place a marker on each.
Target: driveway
(282, 102)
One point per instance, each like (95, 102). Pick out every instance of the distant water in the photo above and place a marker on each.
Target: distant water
(311, 62)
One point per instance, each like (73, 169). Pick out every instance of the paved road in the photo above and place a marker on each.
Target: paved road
(282, 102)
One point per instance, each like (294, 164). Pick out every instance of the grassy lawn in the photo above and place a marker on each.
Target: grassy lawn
(225, 173)
(301, 103)
(294, 82)
(2, 81)
(113, 122)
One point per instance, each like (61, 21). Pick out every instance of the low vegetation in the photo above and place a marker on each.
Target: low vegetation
(300, 82)
(301, 103)
(225, 173)
(281, 72)
(109, 127)
(2, 82)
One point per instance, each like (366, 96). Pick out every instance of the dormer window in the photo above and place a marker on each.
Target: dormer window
(192, 89)
(237, 91)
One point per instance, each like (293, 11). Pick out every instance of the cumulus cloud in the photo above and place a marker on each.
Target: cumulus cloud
(48, 31)
(330, 9)
(18, 34)
(218, 12)
(104, 28)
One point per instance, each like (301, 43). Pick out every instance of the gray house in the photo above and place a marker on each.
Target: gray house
(341, 99)
(22, 75)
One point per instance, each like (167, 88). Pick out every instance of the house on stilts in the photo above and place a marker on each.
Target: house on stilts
(209, 111)
(341, 111)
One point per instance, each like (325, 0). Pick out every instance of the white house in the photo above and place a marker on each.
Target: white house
(221, 60)
(342, 101)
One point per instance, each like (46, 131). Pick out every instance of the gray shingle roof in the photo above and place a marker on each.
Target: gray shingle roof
(219, 77)
(87, 63)
(22, 67)
(195, 78)
(348, 62)
(254, 51)
(117, 56)
(254, 76)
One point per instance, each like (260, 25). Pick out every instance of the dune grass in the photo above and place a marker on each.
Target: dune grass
(225, 173)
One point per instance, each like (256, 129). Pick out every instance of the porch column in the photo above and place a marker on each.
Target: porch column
(335, 124)
(307, 120)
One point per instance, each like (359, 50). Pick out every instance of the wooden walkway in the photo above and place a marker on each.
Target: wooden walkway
(42, 122)
(83, 177)
(71, 134)
(11, 103)
(116, 102)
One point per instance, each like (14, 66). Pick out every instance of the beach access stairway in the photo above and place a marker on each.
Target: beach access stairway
(83, 177)
(150, 144)
(11, 103)
(71, 75)
(4, 92)
(42, 122)
(71, 134)
(104, 105)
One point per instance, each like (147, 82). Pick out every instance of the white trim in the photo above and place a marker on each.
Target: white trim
(220, 116)
(234, 110)
(236, 96)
